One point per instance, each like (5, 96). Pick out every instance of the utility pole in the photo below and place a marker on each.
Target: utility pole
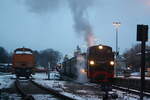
(48, 71)
(116, 25)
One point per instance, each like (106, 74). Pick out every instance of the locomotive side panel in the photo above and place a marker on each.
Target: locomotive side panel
(73, 68)
(69, 68)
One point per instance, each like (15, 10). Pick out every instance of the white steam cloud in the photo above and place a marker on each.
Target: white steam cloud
(82, 25)
(42, 6)
(81, 66)
(78, 9)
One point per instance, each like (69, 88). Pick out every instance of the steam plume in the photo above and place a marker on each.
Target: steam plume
(81, 66)
(78, 9)
(42, 6)
(82, 25)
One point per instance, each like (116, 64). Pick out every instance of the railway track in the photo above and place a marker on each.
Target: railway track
(128, 90)
(28, 88)
(24, 94)
(131, 85)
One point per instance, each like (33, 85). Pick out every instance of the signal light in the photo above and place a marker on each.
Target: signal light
(92, 62)
(100, 47)
(112, 63)
(82, 70)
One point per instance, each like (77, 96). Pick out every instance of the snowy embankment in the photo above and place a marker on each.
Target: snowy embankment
(61, 87)
(76, 91)
(6, 80)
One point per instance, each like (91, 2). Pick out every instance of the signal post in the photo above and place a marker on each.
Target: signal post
(142, 35)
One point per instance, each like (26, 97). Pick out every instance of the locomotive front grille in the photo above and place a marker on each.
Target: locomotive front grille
(101, 77)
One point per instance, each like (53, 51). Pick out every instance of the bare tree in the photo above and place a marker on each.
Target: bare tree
(49, 55)
(4, 57)
(133, 58)
(37, 57)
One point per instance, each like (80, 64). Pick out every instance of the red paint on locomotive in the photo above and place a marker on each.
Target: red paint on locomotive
(100, 64)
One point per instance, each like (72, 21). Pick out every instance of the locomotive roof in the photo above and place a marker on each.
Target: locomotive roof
(95, 46)
(23, 49)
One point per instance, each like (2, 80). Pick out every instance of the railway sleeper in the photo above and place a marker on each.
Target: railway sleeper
(54, 92)
(23, 94)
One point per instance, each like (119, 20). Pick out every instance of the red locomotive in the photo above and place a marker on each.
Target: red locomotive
(23, 62)
(99, 61)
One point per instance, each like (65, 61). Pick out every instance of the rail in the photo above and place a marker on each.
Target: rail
(24, 95)
(53, 92)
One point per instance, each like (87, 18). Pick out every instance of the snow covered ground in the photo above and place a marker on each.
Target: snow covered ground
(6, 80)
(126, 96)
(44, 97)
(61, 87)
(58, 85)
(134, 77)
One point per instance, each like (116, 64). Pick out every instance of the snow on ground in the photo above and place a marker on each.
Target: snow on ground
(41, 76)
(44, 97)
(134, 77)
(6, 96)
(6, 80)
(126, 96)
(60, 86)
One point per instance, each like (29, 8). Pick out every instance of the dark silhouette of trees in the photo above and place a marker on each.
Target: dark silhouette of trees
(37, 57)
(132, 57)
(47, 56)
(4, 56)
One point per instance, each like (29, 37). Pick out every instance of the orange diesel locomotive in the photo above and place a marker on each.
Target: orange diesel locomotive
(23, 62)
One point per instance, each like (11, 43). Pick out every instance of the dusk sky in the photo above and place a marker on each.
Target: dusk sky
(41, 24)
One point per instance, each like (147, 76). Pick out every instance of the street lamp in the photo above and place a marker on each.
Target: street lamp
(116, 25)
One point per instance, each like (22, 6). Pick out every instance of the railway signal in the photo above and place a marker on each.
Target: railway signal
(142, 32)
(142, 35)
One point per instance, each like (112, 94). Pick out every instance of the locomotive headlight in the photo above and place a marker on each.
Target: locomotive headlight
(82, 70)
(112, 63)
(100, 47)
(92, 62)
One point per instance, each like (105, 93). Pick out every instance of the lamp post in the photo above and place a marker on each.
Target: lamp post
(116, 25)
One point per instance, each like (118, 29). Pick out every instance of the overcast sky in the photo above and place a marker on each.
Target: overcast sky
(41, 24)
